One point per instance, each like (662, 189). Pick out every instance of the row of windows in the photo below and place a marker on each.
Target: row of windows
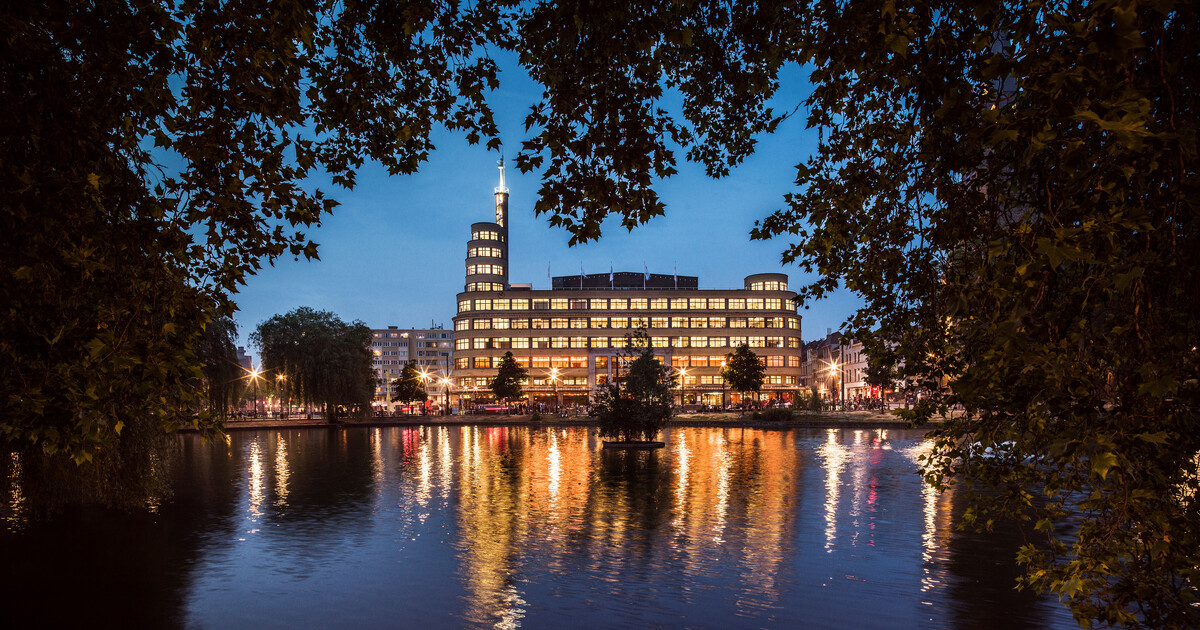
(504, 323)
(496, 270)
(602, 363)
(618, 304)
(485, 382)
(482, 252)
(502, 343)
(486, 235)
(400, 344)
(769, 285)
(484, 286)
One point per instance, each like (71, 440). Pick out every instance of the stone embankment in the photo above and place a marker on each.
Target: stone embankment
(809, 419)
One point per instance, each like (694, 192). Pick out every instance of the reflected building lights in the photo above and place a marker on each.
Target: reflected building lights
(255, 481)
(834, 456)
(282, 472)
(17, 508)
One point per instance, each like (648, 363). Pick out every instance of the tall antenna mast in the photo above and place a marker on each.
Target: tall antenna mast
(502, 188)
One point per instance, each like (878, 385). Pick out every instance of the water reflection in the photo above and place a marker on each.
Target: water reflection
(518, 527)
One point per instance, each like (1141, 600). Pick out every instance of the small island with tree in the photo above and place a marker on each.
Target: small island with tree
(636, 413)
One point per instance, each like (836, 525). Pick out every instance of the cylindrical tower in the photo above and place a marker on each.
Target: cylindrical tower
(487, 251)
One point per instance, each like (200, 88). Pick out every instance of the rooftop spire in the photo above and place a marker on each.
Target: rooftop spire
(502, 188)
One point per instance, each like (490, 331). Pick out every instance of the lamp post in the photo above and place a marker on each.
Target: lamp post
(722, 386)
(280, 382)
(446, 395)
(254, 377)
(841, 389)
(424, 376)
(554, 382)
(682, 387)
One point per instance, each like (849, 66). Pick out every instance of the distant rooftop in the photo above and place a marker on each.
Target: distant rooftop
(624, 280)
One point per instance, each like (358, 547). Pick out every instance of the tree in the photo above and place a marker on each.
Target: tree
(638, 412)
(744, 371)
(154, 154)
(509, 379)
(1011, 188)
(409, 387)
(222, 373)
(326, 361)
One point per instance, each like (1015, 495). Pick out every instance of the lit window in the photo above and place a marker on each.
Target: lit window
(618, 304)
(757, 342)
(520, 305)
(619, 322)
(639, 322)
(737, 304)
(483, 305)
(758, 322)
(500, 323)
(598, 304)
(716, 303)
(482, 324)
(579, 305)
(462, 344)
(599, 342)
(717, 342)
(559, 342)
(659, 322)
(696, 303)
(520, 342)
(773, 303)
(558, 322)
(464, 306)
(579, 342)
(699, 342)
(774, 361)
(479, 343)
(658, 304)
(579, 322)
(638, 304)
(558, 304)
(754, 304)
(500, 304)
(540, 322)
(541, 342)
(698, 322)
(679, 304)
(519, 323)
(659, 342)
(599, 322)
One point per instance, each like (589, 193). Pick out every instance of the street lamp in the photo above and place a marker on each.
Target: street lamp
(841, 379)
(554, 382)
(424, 376)
(254, 378)
(446, 395)
(722, 386)
(280, 381)
(682, 387)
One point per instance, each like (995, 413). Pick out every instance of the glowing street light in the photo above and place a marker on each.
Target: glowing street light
(254, 378)
(280, 381)
(446, 395)
(682, 386)
(554, 382)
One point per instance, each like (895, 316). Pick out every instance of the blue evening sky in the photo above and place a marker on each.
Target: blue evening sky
(393, 253)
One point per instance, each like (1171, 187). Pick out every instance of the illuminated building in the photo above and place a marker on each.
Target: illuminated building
(392, 347)
(569, 336)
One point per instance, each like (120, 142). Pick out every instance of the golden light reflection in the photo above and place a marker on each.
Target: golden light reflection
(834, 456)
(938, 520)
(283, 471)
(17, 514)
(255, 482)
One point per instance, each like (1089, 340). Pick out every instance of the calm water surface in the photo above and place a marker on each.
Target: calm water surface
(472, 526)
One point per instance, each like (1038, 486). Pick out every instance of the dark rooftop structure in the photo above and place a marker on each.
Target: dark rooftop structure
(625, 280)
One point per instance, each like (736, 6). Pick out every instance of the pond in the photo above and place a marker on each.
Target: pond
(507, 527)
